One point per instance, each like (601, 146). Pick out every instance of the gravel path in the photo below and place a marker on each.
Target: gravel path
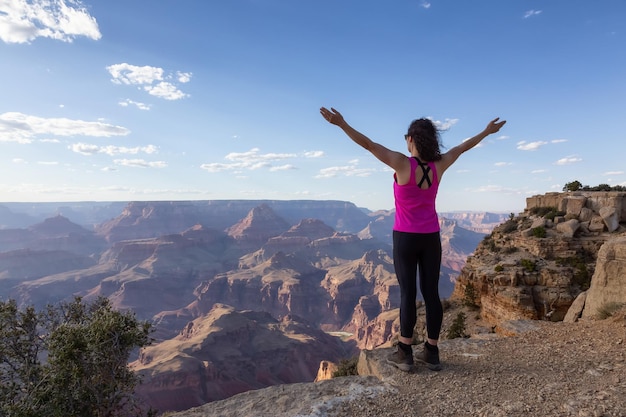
(557, 369)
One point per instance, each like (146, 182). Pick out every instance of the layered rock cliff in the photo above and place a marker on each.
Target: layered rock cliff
(536, 264)
(225, 352)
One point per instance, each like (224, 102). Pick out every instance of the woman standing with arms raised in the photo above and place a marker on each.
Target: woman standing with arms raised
(416, 238)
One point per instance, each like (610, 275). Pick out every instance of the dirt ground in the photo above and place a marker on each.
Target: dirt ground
(547, 369)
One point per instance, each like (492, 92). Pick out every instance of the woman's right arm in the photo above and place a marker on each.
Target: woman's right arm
(395, 160)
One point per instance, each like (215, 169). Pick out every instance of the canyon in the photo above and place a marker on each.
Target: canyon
(242, 294)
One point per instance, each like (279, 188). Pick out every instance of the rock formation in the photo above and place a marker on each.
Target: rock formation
(226, 352)
(535, 265)
(608, 285)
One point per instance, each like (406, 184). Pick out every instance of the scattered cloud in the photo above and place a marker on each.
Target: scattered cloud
(530, 146)
(497, 189)
(314, 154)
(250, 160)
(503, 137)
(503, 164)
(22, 21)
(538, 171)
(445, 124)
(23, 128)
(558, 141)
(568, 160)
(285, 167)
(350, 170)
(140, 106)
(614, 173)
(89, 149)
(19, 161)
(425, 5)
(48, 162)
(153, 80)
(183, 77)
(531, 13)
(139, 163)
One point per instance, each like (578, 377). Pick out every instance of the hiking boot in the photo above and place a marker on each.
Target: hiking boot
(430, 356)
(401, 359)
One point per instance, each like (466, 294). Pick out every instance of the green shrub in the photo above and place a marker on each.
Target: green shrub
(581, 276)
(608, 309)
(528, 265)
(346, 367)
(539, 232)
(458, 327)
(470, 295)
(498, 268)
(546, 212)
(509, 226)
(85, 373)
(490, 243)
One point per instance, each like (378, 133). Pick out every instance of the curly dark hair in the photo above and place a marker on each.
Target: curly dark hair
(426, 138)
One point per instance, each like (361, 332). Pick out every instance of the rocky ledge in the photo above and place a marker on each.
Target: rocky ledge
(544, 368)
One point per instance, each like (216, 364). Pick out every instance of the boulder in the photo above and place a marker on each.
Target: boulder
(610, 216)
(608, 284)
(576, 309)
(569, 227)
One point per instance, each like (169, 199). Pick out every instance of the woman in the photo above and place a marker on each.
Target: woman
(416, 239)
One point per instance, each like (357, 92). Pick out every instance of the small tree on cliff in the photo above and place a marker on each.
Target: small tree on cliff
(71, 360)
(572, 186)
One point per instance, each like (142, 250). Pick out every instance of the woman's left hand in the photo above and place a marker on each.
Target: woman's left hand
(494, 126)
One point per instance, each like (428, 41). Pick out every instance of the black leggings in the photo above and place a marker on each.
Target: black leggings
(410, 252)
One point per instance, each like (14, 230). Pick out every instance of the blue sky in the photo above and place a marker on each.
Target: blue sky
(199, 100)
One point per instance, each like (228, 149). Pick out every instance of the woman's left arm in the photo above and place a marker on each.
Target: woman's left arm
(448, 158)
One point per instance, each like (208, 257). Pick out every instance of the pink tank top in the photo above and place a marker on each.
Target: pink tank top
(415, 207)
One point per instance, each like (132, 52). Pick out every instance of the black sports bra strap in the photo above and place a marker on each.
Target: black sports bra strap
(425, 172)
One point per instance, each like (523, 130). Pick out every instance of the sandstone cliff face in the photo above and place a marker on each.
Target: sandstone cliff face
(608, 285)
(534, 266)
(225, 352)
(141, 220)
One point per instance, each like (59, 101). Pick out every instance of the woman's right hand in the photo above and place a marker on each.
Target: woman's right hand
(332, 116)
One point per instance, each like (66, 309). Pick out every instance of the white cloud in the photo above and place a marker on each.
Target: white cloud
(22, 21)
(503, 164)
(23, 128)
(134, 75)
(531, 13)
(314, 154)
(250, 160)
(152, 79)
(140, 106)
(140, 163)
(445, 125)
(183, 77)
(497, 189)
(19, 161)
(285, 167)
(530, 146)
(538, 171)
(613, 173)
(89, 149)
(425, 5)
(348, 171)
(165, 90)
(558, 141)
(568, 160)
